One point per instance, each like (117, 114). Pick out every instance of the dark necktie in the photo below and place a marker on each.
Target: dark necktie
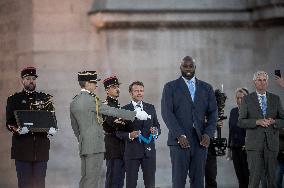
(138, 105)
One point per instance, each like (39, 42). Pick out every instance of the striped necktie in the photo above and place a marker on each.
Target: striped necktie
(263, 103)
(191, 87)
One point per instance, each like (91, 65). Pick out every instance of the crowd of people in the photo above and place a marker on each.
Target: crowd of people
(125, 135)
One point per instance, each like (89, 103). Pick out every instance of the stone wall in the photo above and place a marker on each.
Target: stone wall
(15, 51)
(58, 38)
(227, 56)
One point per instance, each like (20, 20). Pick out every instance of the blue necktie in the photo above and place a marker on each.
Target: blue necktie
(263, 105)
(191, 89)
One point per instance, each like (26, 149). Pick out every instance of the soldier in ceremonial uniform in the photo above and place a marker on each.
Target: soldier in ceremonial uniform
(114, 146)
(29, 149)
(86, 112)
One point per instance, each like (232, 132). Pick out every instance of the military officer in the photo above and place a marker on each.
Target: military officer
(86, 112)
(29, 149)
(114, 146)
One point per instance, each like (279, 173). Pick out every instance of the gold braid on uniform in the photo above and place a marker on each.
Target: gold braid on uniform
(45, 104)
(99, 118)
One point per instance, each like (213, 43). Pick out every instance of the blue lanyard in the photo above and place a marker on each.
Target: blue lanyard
(147, 140)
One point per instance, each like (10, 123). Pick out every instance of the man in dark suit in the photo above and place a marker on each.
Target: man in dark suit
(261, 114)
(137, 152)
(186, 102)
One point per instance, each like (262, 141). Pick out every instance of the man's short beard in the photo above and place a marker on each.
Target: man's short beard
(30, 87)
(187, 75)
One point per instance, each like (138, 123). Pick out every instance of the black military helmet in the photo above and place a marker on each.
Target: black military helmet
(28, 71)
(111, 81)
(90, 76)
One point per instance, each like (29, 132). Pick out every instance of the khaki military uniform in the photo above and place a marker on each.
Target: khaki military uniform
(85, 114)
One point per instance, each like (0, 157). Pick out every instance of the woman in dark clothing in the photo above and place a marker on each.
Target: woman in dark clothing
(237, 142)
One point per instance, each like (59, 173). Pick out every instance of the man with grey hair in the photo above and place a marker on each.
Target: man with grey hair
(261, 114)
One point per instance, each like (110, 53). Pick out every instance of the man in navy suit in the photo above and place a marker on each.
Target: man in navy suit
(185, 104)
(140, 153)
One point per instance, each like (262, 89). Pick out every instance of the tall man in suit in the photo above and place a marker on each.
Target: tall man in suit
(186, 102)
(261, 114)
(86, 120)
(140, 153)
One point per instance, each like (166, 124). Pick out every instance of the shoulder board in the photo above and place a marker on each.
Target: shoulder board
(45, 94)
(75, 96)
(15, 94)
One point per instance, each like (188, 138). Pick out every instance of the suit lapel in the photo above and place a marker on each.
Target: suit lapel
(182, 85)
(197, 89)
(269, 102)
(255, 101)
(130, 106)
(145, 108)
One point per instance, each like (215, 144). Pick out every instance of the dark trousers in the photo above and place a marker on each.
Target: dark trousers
(188, 162)
(239, 157)
(279, 174)
(148, 166)
(262, 162)
(211, 169)
(31, 174)
(115, 173)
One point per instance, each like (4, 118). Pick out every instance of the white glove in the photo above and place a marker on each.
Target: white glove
(142, 115)
(23, 130)
(52, 131)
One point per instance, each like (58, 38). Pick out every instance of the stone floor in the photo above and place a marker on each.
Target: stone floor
(226, 175)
